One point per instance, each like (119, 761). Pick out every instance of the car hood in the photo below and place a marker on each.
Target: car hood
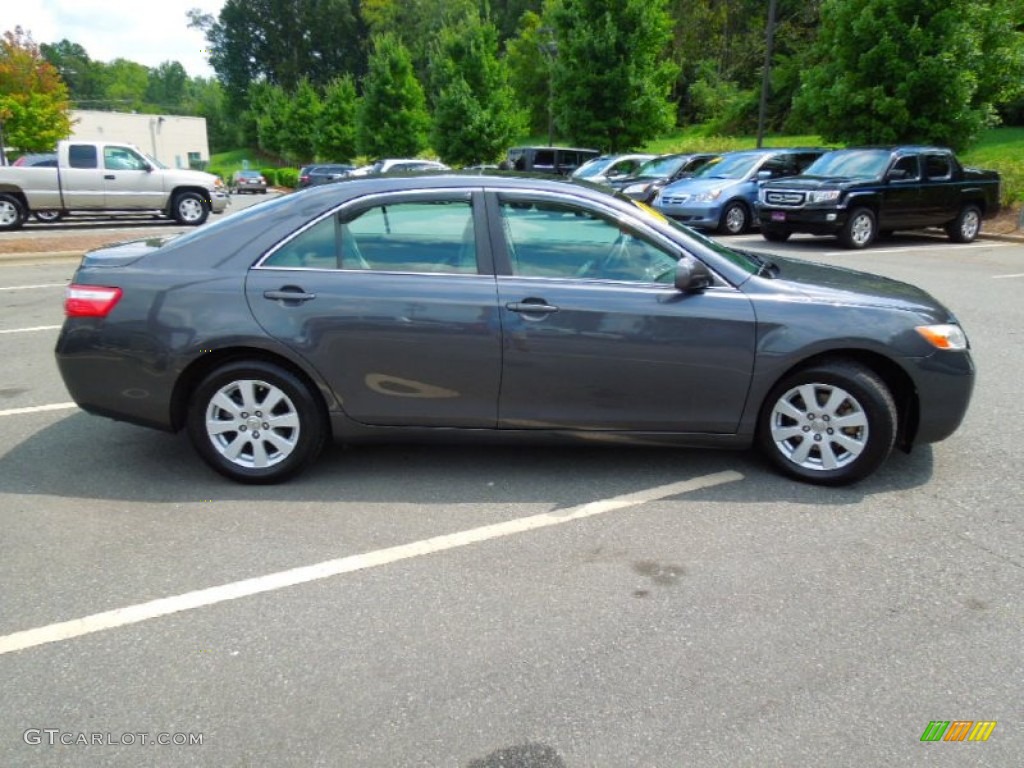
(696, 186)
(815, 182)
(838, 286)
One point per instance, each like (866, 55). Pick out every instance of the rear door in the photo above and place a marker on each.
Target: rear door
(393, 300)
(81, 178)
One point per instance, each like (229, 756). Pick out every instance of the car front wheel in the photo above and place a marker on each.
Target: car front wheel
(860, 229)
(190, 209)
(775, 234)
(735, 219)
(831, 424)
(255, 422)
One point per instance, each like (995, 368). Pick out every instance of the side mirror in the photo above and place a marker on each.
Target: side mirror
(764, 175)
(692, 275)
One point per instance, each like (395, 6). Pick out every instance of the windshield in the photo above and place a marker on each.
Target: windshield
(748, 262)
(730, 167)
(661, 166)
(592, 168)
(851, 164)
(152, 159)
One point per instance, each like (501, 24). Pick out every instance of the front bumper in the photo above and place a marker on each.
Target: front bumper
(945, 382)
(815, 221)
(219, 201)
(701, 215)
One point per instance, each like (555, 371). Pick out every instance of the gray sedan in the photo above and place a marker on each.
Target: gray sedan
(465, 305)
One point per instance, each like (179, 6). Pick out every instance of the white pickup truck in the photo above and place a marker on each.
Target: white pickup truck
(106, 177)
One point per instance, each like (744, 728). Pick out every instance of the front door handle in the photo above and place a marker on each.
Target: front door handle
(531, 307)
(110, 177)
(289, 294)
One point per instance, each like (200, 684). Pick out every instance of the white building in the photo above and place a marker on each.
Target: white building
(174, 140)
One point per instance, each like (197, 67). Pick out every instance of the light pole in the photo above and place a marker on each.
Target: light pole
(549, 50)
(766, 77)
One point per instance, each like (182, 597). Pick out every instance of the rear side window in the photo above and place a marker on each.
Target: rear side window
(937, 167)
(435, 236)
(82, 156)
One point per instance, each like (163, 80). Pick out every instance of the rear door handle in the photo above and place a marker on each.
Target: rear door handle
(110, 177)
(285, 294)
(531, 307)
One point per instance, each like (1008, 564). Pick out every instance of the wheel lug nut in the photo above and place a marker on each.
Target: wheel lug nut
(245, 415)
(242, 428)
(259, 414)
(255, 434)
(807, 429)
(817, 438)
(831, 431)
(266, 426)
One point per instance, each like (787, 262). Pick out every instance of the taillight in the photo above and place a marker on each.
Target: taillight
(90, 300)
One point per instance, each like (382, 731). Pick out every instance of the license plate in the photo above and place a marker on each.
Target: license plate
(778, 215)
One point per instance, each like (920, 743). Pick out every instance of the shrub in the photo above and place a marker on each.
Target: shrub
(288, 177)
(218, 171)
(270, 174)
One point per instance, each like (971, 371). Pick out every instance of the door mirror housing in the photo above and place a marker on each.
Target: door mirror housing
(692, 275)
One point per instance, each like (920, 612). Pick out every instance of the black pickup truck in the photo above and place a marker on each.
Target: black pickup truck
(857, 193)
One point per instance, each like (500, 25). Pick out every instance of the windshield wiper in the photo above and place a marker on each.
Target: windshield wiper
(765, 267)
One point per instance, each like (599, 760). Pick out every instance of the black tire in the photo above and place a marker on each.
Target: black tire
(190, 209)
(12, 212)
(735, 219)
(966, 226)
(802, 438)
(48, 217)
(775, 235)
(860, 229)
(238, 439)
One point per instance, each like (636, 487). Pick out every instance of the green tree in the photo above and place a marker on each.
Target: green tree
(892, 71)
(393, 118)
(34, 107)
(530, 56)
(166, 87)
(475, 111)
(82, 75)
(299, 125)
(125, 85)
(281, 42)
(336, 126)
(269, 107)
(612, 78)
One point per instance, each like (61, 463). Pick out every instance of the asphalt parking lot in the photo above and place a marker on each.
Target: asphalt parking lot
(529, 607)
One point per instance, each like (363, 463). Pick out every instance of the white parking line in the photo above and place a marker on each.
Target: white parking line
(913, 248)
(1007, 277)
(38, 409)
(33, 287)
(32, 329)
(133, 614)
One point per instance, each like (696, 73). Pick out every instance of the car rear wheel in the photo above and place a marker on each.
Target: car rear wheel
(832, 424)
(255, 422)
(735, 219)
(12, 212)
(860, 229)
(190, 209)
(966, 226)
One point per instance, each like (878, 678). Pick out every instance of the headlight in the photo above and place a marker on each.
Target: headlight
(944, 336)
(635, 189)
(824, 196)
(217, 183)
(707, 197)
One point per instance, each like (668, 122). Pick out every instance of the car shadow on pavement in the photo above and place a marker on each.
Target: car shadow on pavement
(83, 456)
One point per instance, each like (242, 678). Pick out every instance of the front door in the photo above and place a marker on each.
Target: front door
(129, 182)
(596, 335)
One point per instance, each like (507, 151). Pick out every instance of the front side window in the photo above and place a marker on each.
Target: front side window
(561, 240)
(122, 159)
(906, 168)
